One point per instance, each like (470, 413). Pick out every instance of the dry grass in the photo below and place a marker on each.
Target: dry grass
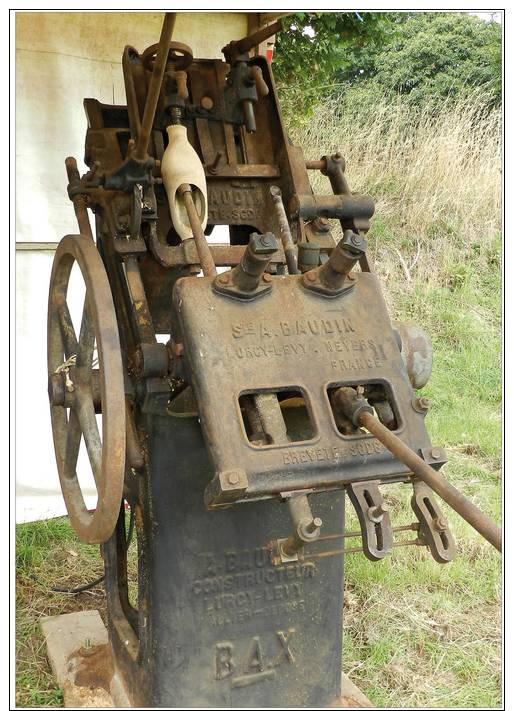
(418, 634)
(436, 178)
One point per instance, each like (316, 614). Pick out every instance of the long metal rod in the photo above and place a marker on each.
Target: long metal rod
(245, 45)
(465, 508)
(155, 85)
(202, 247)
(79, 202)
(344, 551)
(358, 534)
(315, 164)
(285, 232)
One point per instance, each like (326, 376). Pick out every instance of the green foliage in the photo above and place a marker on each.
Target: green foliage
(431, 56)
(313, 46)
(425, 56)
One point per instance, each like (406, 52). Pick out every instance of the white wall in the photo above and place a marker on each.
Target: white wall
(61, 58)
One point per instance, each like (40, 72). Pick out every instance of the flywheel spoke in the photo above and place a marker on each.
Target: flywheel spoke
(73, 436)
(67, 331)
(86, 343)
(86, 416)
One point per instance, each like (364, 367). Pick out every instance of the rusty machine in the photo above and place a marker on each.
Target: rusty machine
(281, 385)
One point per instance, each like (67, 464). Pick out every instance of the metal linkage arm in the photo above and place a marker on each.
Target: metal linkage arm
(236, 48)
(79, 201)
(356, 408)
(155, 86)
(204, 253)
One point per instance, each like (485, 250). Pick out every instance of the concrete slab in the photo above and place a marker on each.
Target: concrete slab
(352, 697)
(79, 653)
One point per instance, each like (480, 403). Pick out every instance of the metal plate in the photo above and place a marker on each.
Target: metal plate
(292, 338)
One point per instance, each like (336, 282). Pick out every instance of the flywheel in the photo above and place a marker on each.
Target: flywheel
(81, 386)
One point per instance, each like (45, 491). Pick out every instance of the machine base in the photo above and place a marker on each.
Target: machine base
(81, 660)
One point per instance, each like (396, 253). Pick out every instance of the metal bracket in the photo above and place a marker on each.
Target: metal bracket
(373, 515)
(433, 525)
(435, 456)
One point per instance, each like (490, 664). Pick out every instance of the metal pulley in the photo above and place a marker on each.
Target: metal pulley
(70, 357)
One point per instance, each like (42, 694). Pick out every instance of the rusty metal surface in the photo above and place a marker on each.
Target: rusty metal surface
(273, 345)
(417, 353)
(107, 456)
(243, 409)
(155, 85)
(464, 507)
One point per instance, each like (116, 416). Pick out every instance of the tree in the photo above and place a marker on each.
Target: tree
(425, 56)
(432, 56)
(312, 48)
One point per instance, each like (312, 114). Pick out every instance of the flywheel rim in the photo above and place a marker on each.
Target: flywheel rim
(106, 455)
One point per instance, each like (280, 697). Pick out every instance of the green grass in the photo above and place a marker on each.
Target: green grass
(417, 633)
(49, 554)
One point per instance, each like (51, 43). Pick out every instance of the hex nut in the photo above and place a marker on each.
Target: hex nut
(233, 480)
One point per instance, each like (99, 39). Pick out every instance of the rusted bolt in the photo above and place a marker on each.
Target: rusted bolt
(441, 524)
(435, 453)
(266, 277)
(206, 103)
(356, 240)
(233, 478)
(321, 224)
(421, 404)
(314, 525)
(223, 279)
(266, 240)
(310, 276)
(376, 513)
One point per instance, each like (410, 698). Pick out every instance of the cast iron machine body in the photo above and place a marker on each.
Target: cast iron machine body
(251, 411)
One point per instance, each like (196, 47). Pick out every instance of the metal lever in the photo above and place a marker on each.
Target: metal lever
(358, 410)
(306, 528)
(373, 515)
(202, 246)
(140, 152)
(233, 50)
(285, 232)
(433, 526)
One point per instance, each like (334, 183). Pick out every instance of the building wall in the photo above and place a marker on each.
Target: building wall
(61, 58)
